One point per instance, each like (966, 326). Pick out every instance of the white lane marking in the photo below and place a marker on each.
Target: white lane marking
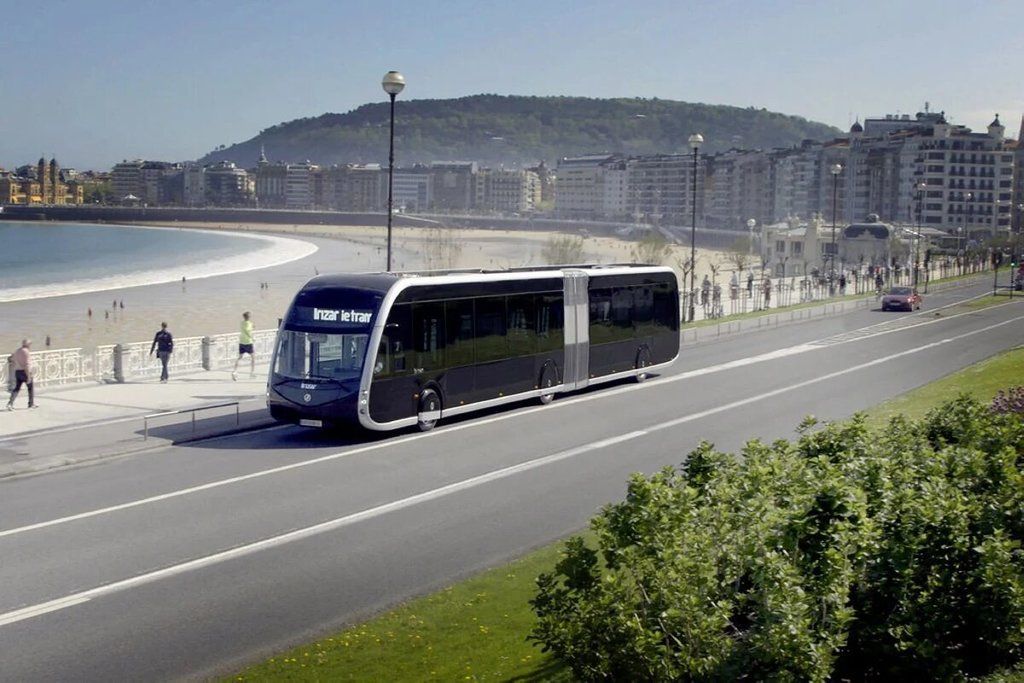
(433, 494)
(298, 534)
(655, 382)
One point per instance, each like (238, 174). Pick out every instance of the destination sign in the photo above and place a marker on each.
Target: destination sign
(342, 317)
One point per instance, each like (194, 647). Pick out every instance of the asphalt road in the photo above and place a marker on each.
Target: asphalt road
(197, 559)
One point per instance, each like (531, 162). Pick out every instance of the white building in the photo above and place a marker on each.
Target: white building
(580, 185)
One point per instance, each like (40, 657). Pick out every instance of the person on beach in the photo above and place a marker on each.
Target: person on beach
(245, 347)
(24, 371)
(163, 342)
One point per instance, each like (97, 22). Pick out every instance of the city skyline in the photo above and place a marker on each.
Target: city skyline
(109, 81)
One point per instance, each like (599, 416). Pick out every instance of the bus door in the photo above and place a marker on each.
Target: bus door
(577, 330)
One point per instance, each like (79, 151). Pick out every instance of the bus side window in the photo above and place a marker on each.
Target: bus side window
(550, 330)
(428, 328)
(491, 340)
(522, 331)
(391, 354)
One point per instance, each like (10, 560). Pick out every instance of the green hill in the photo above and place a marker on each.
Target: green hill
(496, 129)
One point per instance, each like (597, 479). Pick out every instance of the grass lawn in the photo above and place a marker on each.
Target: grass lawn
(981, 380)
(476, 630)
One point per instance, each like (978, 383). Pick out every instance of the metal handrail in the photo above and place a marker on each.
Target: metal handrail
(147, 418)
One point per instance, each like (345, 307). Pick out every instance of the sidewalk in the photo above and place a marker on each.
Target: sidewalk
(84, 422)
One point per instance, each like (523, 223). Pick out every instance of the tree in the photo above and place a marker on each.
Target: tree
(738, 254)
(563, 250)
(441, 250)
(845, 554)
(652, 249)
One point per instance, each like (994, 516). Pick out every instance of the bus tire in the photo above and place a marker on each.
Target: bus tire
(548, 379)
(428, 411)
(643, 360)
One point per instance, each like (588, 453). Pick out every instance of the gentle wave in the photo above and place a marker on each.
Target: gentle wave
(277, 251)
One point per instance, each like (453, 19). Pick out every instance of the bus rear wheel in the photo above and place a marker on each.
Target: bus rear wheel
(643, 360)
(428, 412)
(548, 379)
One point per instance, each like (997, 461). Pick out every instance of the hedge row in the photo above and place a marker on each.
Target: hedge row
(845, 554)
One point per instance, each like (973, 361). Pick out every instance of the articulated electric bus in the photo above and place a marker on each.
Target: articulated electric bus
(392, 350)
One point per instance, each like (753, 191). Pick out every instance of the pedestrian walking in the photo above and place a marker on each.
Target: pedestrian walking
(24, 371)
(163, 343)
(245, 346)
(750, 284)
(767, 292)
(89, 312)
(842, 284)
(47, 341)
(121, 304)
(705, 291)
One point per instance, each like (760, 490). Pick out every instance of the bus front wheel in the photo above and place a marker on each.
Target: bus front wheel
(429, 410)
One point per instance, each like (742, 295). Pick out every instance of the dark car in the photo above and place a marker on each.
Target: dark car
(901, 299)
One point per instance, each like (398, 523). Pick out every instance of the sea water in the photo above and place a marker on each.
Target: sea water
(53, 259)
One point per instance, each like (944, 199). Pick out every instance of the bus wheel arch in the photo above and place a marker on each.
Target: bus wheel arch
(428, 408)
(643, 360)
(548, 379)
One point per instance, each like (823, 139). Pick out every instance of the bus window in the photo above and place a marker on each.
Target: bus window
(522, 331)
(428, 327)
(491, 342)
(601, 316)
(550, 312)
(665, 308)
(458, 316)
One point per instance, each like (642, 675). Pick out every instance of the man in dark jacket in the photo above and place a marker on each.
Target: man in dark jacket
(163, 342)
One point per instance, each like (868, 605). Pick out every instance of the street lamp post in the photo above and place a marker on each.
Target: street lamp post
(695, 140)
(1015, 259)
(917, 236)
(393, 83)
(835, 170)
(750, 229)
(959, 249)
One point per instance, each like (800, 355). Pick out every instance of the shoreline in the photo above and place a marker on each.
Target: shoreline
(274, 250)
(213, 305)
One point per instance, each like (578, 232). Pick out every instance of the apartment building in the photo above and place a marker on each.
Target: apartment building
(579, 184)
(227, 185)
(508, 191)
(660, 188)
(126, 181)
(454, 185)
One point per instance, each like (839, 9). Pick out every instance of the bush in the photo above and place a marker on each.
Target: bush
(842, 554)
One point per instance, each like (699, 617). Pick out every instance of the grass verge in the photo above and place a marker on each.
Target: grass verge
(473, 631)
(476, 630)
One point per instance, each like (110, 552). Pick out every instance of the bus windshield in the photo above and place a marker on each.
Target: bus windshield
(317, 355)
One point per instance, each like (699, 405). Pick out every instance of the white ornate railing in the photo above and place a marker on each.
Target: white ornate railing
(120, 362)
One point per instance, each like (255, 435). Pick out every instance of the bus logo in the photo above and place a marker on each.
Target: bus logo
(307, 398)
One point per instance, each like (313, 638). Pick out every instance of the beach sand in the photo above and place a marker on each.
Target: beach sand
(214, 305)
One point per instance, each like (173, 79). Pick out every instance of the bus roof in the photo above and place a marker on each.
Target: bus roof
(382, 282)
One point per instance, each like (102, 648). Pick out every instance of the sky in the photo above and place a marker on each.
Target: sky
(93, 83)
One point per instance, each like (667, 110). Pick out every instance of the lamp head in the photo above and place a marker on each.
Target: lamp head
(393, 83)
(836, 169)
(696, 140)
(751, 223)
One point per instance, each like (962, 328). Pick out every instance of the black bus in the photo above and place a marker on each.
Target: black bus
(391, 350)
